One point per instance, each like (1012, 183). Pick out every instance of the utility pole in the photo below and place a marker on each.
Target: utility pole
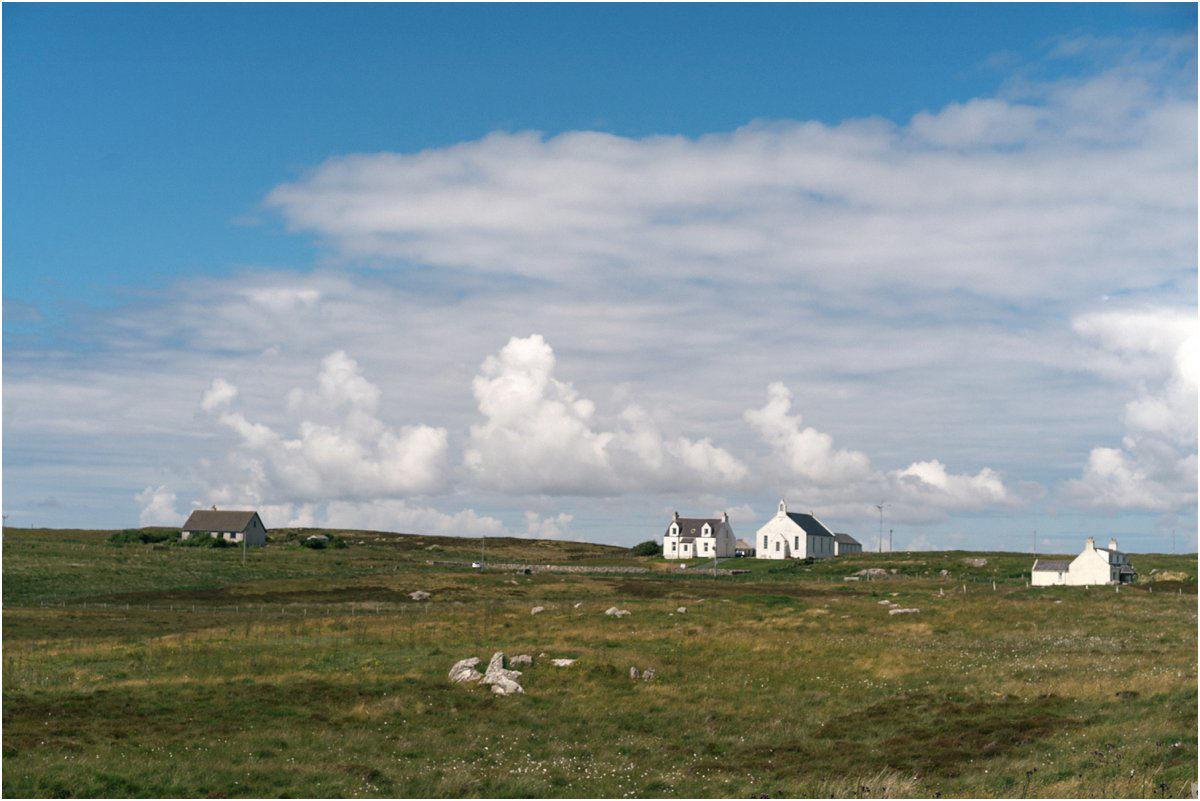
(482, 551)
(889, 540)
(880, 506)
(1035, 542)
(1172, 540)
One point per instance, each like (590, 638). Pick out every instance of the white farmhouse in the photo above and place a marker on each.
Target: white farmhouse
(232, 526)
(691, 537)
(788, 535)
(1092, 566)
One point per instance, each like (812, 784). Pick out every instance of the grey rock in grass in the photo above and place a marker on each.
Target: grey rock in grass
(537, 610)
(464, 671)
(521, 659)
(578, 604)
(682, 610)
(872, 571)
(976, 562)
(613, 611)
(501, 680)
(419, 595)
(896, 610)
(647, 674)
(943, 572)
(634, 673)
(562, 662)
(884, 603)
(644, 675)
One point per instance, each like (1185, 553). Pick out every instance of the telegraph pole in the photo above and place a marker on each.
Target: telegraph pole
(889, 540)
(880, 506)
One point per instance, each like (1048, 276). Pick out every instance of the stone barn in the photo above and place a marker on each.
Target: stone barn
(232, 526)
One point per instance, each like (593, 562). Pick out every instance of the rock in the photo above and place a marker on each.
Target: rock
(943, 572)
(896, 610)
(501, 680)
(433, 547)
(512, 581)
(419, 595)
(850, 578)
(522, 659)
(872, 571)
(464, 670)
(975, 562)
(884, 602)
(562, 662)
(682, 610)
(613, 611)
(647, 674)
(893, 571)
(537, 610)
(578, 604)
(634, 673)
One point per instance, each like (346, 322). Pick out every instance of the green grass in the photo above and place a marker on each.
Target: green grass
(311, 673)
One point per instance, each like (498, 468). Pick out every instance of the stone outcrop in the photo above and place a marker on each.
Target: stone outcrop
(682, 610)
(501, 680)
(522, 659)
(537, 610)
(896, 610)
(613, 611)
(562, 662)
(464, 671)
(419, 595)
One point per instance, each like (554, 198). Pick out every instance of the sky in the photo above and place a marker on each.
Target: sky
(561, 270)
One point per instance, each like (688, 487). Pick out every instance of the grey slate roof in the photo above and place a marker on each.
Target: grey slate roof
(690, 526)
(211, 520)
(810, 525)
(1052, 565)
(845, 539)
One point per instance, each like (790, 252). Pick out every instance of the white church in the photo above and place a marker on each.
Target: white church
(790, 535)
(1092, 566)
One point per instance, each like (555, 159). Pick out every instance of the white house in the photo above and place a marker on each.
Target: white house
(691, 537)
(231, 526)
(1092, 566)
(844, 543)
(789, 535)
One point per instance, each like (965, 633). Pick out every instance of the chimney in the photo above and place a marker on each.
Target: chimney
(1091, 543)
(676, 516)
(1112, 544)
(214, 507)
(724, 517)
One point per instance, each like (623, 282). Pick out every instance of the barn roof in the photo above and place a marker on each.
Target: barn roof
(213, 520)
(845, 539)
(810, 524)
(1051, 565)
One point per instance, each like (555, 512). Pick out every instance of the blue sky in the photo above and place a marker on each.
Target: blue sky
(939, 256)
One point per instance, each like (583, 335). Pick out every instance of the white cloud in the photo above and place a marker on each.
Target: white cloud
(157, 505)
(342, 450)
(815, 472)
(1155, 467)
(540, 437)
(557, 527)
(1049, 190)
(403, 516)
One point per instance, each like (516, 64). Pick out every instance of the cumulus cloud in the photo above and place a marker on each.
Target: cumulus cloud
(1154, 468)
(540, 437)
(157, 507)
(1045, 190)
(557, 527)
(341, 450)
(816, 472)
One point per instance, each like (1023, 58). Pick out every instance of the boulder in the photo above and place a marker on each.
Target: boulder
(682, 610)
(562, 662)
(634, 673)
(872, 571)
(897, 610)
(501, 680)
(419, 595)
(578, 604)
(613, 611)
(884, 603)
(464, 670)
(943, 572)
(647, 674)
(522, 659)
(537, 610)
(976, 561)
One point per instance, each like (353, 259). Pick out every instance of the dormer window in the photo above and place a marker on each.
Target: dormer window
(674, 530)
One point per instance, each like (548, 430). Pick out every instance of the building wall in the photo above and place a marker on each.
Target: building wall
(1048, 578)
(780, 538)
(1091, 567)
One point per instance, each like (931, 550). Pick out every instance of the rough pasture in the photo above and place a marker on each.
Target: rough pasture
(135, 671)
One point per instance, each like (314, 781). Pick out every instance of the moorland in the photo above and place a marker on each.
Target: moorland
(147, 669)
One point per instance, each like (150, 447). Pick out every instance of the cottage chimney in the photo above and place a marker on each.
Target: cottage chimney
(724, 517)
(1112, 544)
(1091, 543)
(676, 516)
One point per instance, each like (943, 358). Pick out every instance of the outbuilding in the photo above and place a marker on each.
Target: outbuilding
(232, 526)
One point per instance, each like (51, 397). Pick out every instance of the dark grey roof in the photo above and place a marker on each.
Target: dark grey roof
(1127, 569)
(845, 539)
(810, 525)
(1051, 565)
(212, 520)
(690, 526)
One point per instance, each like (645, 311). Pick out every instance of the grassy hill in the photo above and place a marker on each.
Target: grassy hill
(157, 670)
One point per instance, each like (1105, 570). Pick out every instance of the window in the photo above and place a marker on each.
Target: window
(764, 542)
(777, 545)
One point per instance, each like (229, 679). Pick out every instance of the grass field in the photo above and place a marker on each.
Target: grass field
(145, 670)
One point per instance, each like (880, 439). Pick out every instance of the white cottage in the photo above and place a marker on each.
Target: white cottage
(1092, 566)
(231, 526)
(691, 537)
(789, 535)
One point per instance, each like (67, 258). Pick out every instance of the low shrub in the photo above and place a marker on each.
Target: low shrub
(139, 535)
(647, 548)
